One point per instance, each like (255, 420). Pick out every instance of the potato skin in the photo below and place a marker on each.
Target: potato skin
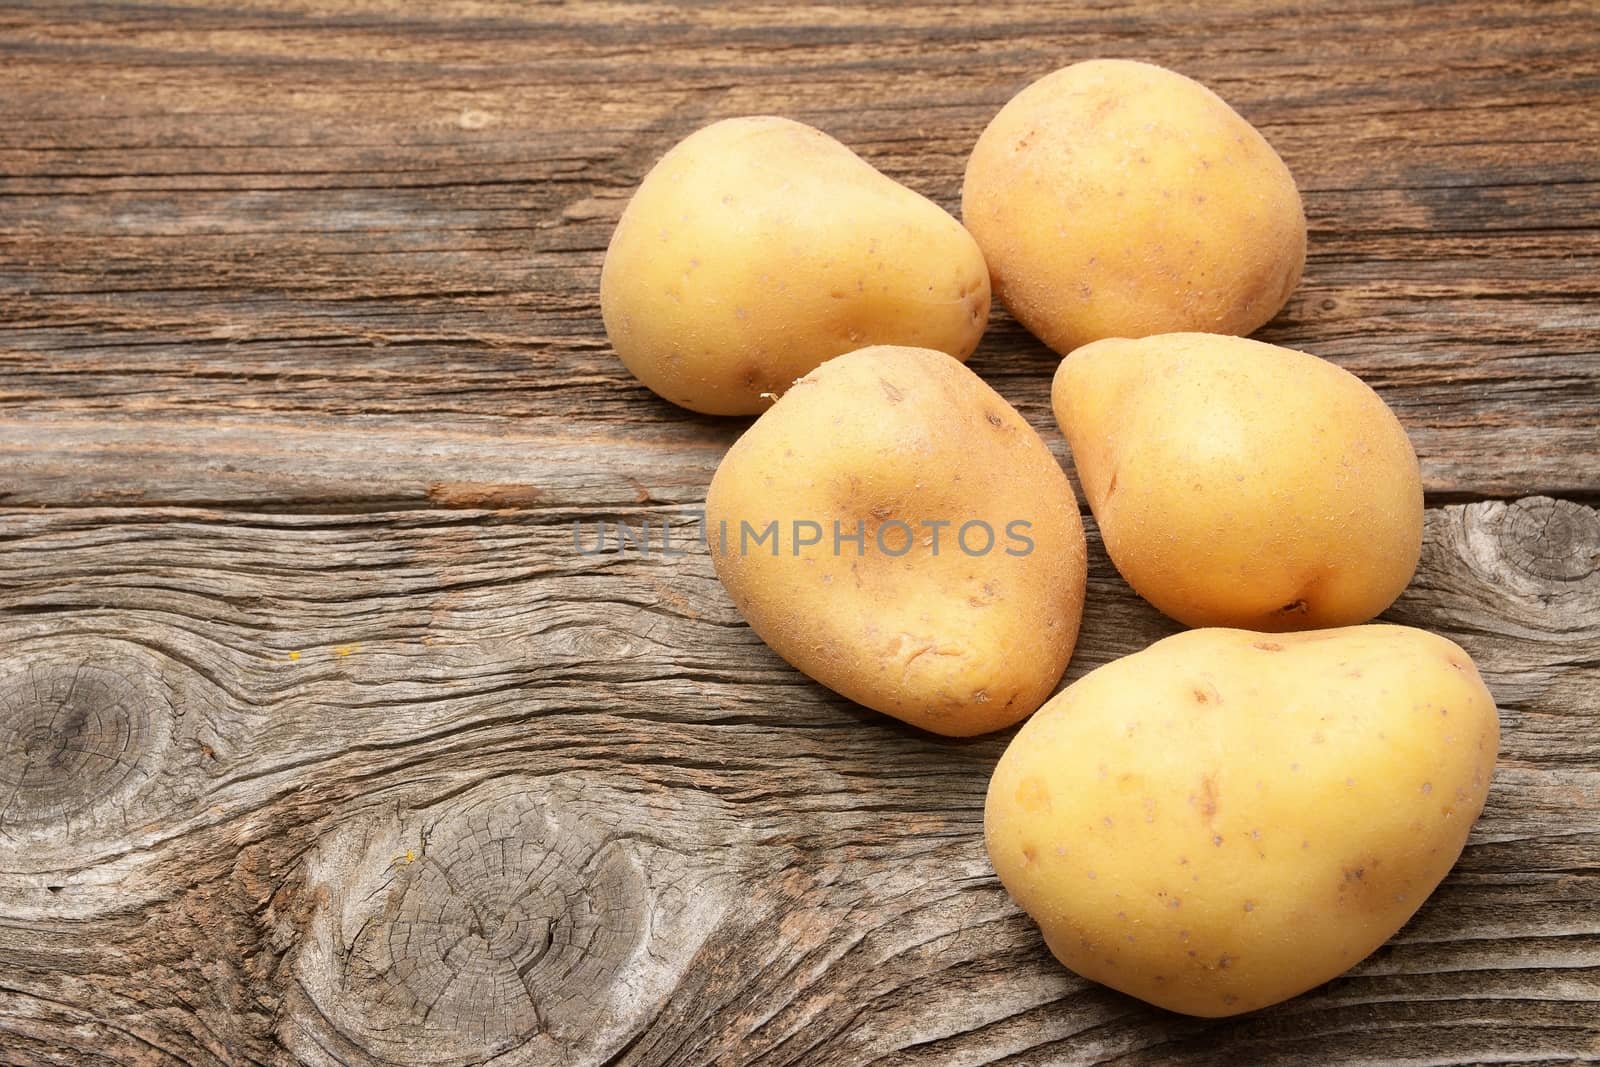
(758, 247)
(955, 643)
(1119, 199)
(1227, 819)
(1237, 483)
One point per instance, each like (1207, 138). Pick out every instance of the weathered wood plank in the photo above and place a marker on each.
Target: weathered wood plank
(319, 742)
(434, 787)
(214, 222)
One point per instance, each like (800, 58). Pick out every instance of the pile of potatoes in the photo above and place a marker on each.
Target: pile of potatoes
(1233, 815)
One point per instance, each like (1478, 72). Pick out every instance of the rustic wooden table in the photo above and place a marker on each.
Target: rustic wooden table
(320, 743)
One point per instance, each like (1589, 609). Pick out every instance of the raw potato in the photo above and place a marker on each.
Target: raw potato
(938, 626)
(1237, 483)
(1227, 819)
(1119, 199)
(759, 247)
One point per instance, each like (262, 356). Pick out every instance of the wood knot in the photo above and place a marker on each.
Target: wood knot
(78, 738)
(1554, 540)
(505, 918)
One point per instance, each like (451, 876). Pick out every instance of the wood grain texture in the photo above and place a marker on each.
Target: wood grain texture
(435, 787)
(322, 742)
(266, 255)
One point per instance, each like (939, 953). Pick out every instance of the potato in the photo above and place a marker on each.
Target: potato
(925, 558)
(1119, 199)
(1242, 484)
(758, 248)
(1227, 818)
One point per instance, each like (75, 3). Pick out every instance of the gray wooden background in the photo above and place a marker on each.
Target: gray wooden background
(319, 743)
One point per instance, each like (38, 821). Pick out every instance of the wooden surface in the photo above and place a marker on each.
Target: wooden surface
(319, 742)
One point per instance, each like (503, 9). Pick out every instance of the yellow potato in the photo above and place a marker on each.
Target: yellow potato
(1227, 818)
(1119, 199)
(759, 247)
(1237, 483)
(925, 558)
